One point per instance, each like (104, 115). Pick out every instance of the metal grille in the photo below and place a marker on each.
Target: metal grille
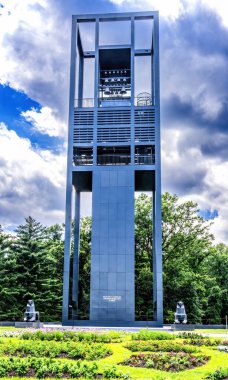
(83, 135)
(143, 133)
(107, 117)
(114, 134)
(83, 117)
(145, 116)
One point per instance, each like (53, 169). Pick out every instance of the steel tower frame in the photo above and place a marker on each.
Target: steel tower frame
(130, 133)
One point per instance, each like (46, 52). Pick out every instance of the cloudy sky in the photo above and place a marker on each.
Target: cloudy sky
(34, 81)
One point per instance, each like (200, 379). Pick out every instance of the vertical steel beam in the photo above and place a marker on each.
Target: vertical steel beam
(154, 257)
(81, 70)
(67, 247)
(96, 90)
(132, 91)
(157, 194)
(76, 256)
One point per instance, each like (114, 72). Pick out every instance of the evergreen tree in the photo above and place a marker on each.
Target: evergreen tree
(32, 269)
(8, 293)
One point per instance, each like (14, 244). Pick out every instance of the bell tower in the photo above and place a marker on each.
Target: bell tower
(113, 152)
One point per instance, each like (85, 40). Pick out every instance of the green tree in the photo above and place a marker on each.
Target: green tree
(143, 258)
(31, 270)
(216, 268)
(187, 242)
(51, 288)
(84, 268)
(8, 294)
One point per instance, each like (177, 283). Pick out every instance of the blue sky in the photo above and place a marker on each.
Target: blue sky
(34, 83)
(13, 104)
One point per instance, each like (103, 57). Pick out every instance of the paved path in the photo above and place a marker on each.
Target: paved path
(127, 329)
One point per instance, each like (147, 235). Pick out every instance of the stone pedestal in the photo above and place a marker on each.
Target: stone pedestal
(24, 325)
(182, 327)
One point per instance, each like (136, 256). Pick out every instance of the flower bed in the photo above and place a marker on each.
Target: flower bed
(168, 361)
(42, 368)
(67, 353)
(164, 346)
(203, 342)
(52, 349)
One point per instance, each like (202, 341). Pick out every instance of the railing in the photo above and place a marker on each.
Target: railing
(113, 102)
(145, 160)
(80, 160)
(111, 159)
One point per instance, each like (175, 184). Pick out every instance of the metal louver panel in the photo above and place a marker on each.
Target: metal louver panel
(114, 134)
(145, 116)
(143, 133)
(83, 117)
(83, 135)
(107, 117)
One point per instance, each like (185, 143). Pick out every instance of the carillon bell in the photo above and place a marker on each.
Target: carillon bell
(123, 90)
(107, 91)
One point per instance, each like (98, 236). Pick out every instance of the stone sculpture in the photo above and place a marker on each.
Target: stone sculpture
(180, 315)
(31, 315)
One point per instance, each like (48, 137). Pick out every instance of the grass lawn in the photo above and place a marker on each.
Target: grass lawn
(7, 328)
(212, 331)
(53, 354)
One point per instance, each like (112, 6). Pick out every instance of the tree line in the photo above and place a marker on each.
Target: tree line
(195, 270)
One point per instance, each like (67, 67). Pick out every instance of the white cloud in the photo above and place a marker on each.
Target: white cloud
(195, 177)
(34, 51)
(174, 8)
(45, 122)
(32, 181)
(217, 179)
(171, 8)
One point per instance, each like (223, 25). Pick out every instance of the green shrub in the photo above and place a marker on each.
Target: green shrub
(89, 372)
(219, 374)
(156, 346)
(61, 336)
(52, 368)
(52, 349)
(203, 342)
(186, 335)
(113, 373)
(151, 335)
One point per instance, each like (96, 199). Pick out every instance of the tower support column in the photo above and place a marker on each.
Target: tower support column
(157, 259)
(112, 292)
